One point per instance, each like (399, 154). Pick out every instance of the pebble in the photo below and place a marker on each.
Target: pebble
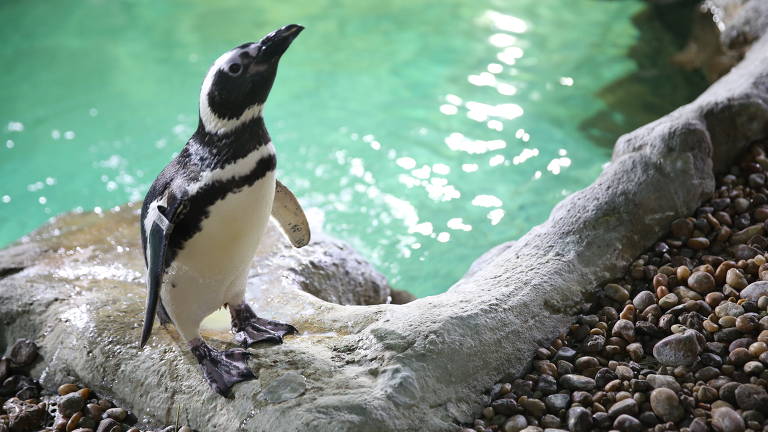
(666, 405)
(515, 423)
(579, 420)
(109, 425)
(701, 282)
(625, 329)
(534, 406)
(664, 381)
(557, 402)
(751, 397)
(68, 388)
(755, 290)
(668, 301)
(23, 352)
(70, 403)
(626, 406)
(117, 414)
(678, 349)
(616, 292)
(727, 420)
(627, 423)
(577, 382)
(643, 299)
(729, 309)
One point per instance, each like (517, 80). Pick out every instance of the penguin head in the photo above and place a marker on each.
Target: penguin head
(237, 85)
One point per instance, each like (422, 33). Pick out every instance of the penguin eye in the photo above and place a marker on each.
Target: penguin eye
(235, 68)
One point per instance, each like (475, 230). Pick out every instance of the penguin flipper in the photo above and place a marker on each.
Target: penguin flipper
(158, 231)
(289, 214)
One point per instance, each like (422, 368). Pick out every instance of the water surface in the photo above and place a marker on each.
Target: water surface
(423, 132)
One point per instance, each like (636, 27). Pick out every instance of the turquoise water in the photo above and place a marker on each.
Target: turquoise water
(424, 132)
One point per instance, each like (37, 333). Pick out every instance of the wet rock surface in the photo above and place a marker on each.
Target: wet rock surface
(701, 359)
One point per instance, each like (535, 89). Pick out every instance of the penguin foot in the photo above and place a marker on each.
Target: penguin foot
(250, 329)
(222, 369)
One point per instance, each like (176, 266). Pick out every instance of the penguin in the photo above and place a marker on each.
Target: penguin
(205, 213)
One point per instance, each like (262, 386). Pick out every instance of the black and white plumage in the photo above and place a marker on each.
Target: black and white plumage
(204, 215)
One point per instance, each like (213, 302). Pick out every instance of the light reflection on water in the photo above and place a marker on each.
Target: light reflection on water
(423, 133)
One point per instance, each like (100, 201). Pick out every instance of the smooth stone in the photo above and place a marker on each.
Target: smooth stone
(23, 352)
(579, 420)
(516, 423)
(70, 403)
(752, 397)
(627, 423)
(565, 353)
(755, 290)
(725, 419)
(547, 384)
(625, 329)
(557, 402)
(643, 299)
(666, 405)
(616, 292)
(534, 406)
(664, 381)
(505, 406)
(626, 406)
(701, 282)
(679, 349)
(117, 414)
(729, 309)
(577, 382)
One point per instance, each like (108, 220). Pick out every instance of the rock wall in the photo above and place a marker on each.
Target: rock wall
(77, 287)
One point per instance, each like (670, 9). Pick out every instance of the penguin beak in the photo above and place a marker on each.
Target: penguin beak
(274, 45)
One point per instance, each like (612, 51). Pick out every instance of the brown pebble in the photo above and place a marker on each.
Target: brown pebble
(701, 282)
(84, 393)
(73, 421)
(714, 298)
(660, 280)
(698, 243)
(747, 323)
(68, 388)
(739, 356)
(758, 348)
(683, 273)
(628, 313)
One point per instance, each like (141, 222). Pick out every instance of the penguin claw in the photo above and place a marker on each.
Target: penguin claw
(223, 369)
(250, 329)
(253, 333)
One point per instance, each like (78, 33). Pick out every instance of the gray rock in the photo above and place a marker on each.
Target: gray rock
(665, 381)
(556, 402)
(515, 423)
(23, 352)
(625, 406)
(579, 420)
(643, 299)
(755, 290)
(725, 419)
(752, 397)
(627, 423)
(70, 404)
(727, 308)
(577, 382)
(679, 349)
(666, 405)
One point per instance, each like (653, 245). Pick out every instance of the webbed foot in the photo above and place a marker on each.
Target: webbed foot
(250, 329)
(222, 369)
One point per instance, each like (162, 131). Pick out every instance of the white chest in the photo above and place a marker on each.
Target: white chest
(231, 232)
